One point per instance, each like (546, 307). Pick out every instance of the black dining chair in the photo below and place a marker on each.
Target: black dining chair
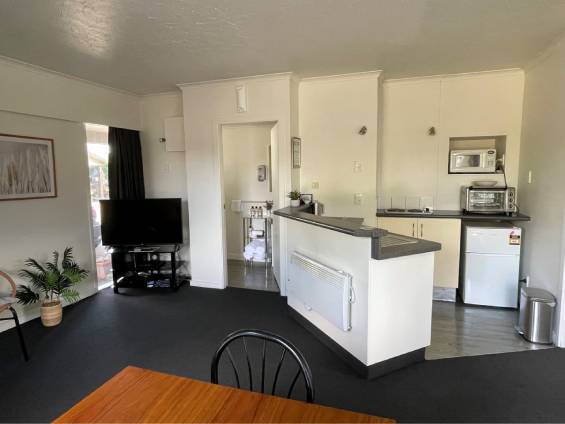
(285, 349)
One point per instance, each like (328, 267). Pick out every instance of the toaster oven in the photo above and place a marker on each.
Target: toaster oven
(491, 200)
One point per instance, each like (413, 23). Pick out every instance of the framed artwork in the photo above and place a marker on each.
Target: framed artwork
(27, 167)
(296, 147)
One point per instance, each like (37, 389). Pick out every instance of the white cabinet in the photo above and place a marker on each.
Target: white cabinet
(441, 230)
(414, 163)
(174, 134)
(448, 233)
(405, 226)
(483, 104)
(408, 154)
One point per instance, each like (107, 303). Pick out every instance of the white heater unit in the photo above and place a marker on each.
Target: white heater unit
(322, 289)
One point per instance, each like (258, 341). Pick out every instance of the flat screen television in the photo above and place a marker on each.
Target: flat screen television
(141, 222)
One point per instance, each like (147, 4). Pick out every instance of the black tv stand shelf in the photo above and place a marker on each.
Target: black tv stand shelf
(146, 267)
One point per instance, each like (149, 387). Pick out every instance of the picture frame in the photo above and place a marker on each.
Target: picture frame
(27, 167)
(296, 144)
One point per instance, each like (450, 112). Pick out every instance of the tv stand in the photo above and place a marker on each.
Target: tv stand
(144, 249)
(145, 267)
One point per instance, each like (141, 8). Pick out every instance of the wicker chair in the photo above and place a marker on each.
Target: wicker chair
(5, 305)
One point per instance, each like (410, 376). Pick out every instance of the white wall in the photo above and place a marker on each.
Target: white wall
(34, 228)
(164, 172)
(35, 91)
(245, 147)
(37, 102)
(206, 107)
(331, 112)
(412, 163)
(543, 153)
(345, 253)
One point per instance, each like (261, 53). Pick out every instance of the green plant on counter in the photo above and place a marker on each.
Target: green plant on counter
(294, 195)
(51, 280)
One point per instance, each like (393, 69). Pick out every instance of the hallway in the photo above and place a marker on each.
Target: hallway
(255, 278)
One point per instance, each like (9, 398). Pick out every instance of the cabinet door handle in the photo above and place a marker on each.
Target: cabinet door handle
(413, 229)
(421, 230)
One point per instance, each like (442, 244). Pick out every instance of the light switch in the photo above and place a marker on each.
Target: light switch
(529, 177)
(315, 184)
(358, 198)
(357, 166)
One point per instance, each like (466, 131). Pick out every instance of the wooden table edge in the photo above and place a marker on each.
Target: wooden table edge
(143, 372)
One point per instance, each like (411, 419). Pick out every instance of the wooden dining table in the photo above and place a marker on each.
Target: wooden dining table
(140, 395)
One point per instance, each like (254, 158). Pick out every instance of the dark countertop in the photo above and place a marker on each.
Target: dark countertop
(352, 226)
(384, 245)
(455, 215)
(396, 245)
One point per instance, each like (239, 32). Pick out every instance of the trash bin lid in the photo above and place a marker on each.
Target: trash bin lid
(538, 295)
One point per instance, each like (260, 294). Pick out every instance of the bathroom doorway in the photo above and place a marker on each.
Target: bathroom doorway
(250, 189)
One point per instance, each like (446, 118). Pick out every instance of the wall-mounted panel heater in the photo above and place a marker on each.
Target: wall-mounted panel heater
(322, 289)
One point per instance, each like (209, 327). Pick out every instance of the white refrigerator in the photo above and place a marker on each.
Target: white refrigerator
(491, 265)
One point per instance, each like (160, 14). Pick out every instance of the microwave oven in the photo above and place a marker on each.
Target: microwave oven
(491, 200)
(477, 161)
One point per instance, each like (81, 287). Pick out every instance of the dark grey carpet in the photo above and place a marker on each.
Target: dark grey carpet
(177, 333)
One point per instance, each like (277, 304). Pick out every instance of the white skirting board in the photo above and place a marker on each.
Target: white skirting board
(206, 284)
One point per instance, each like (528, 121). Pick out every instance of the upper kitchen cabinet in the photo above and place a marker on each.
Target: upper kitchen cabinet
(339, 125)
(486, 105)
(482, 104)
(408, 150)
(468, 109)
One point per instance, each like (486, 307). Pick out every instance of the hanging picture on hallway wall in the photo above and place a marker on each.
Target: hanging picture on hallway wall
(27, 167)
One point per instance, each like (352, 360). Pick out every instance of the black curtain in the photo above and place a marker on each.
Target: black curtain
(125, 166)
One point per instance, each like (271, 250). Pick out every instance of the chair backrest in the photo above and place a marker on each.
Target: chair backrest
(286, 347)
(11, 281)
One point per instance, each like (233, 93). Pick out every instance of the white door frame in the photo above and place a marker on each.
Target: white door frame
(284, 185)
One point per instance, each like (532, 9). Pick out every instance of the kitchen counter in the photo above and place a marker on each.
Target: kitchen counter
(384, 244)
(352, 226)
(454, 214)
(364, 292)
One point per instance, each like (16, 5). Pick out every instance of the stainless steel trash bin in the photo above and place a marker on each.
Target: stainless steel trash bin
(537, 307)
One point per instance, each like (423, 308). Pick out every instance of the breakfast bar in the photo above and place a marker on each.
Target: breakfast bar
(364, 292)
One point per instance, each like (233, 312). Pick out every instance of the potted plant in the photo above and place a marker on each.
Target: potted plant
(294, 198)
(52, 282)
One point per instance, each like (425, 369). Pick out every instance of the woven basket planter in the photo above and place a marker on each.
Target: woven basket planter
(51, 313)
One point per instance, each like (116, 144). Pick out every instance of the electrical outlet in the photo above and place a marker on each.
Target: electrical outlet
(529, 177)
(358, 199)
(315, 184)
(357, 166)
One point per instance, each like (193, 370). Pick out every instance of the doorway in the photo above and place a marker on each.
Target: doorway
(250, 186)
(98, 150)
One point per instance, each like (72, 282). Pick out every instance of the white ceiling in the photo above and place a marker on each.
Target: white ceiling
(147, 46)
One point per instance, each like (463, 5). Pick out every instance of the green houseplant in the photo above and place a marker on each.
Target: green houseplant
(294, 197)
(49, 282)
